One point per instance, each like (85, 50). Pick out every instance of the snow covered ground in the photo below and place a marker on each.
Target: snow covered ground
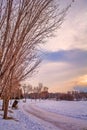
(76, 109)
(47, 115)
(21, 121)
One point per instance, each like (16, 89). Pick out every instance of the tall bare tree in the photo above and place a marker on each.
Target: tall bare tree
(24, 24)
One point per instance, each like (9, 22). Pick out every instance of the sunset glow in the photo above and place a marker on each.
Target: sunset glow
(83, 79)
(64, 56)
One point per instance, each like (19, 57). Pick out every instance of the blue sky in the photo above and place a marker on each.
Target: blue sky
(64, 56)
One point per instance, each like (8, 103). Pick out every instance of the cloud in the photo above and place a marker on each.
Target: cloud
(73, 32)
(60, 68)
(65, 57)
(75, 57)
(58, 74)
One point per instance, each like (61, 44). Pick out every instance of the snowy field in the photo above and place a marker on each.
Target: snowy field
(46, 115)
(76, 109)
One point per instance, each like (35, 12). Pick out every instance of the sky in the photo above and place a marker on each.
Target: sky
(64, 65)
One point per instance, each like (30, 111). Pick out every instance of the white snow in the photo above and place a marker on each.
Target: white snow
(76, 109)
(21, 121)
(25, 119)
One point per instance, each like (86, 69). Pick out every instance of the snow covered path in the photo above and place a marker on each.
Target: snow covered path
(59, 122)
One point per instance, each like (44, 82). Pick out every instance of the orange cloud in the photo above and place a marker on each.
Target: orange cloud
(82, 80)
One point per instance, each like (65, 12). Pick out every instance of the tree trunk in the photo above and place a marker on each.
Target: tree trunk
(3, 104)
(6, 103)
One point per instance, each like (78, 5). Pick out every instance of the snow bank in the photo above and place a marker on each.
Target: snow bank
(21, 121)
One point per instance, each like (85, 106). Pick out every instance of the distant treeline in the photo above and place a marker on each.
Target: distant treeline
(70, 96)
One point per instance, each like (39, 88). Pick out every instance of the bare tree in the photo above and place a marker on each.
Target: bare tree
(24, 24)
(24, 91)
(42, 90)
(29, 89)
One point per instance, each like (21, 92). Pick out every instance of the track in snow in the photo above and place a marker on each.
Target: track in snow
(58, 121)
